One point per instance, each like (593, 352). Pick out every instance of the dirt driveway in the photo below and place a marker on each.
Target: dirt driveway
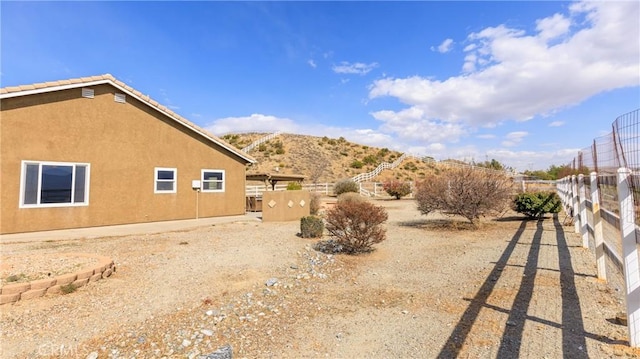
(511, 289)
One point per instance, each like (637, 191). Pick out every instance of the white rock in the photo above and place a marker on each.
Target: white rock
(186, 343)
(207, 332)
(92, 355)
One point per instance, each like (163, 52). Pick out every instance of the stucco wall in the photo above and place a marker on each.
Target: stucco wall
(285, 205)
(123, 143)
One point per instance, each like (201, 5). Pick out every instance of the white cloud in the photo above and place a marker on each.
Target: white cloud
(444, 47)
(252, 123)
(510, 75)
(357, 68)
(514, 138)
(312, 63)
(410, 124)
(486, 136)
(556, 124)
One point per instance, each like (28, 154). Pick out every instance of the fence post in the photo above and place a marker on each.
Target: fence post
(630, 254)
(574, 204)
(583, 212)
(598, 235)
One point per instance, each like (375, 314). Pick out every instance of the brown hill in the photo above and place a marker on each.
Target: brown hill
(323, 159)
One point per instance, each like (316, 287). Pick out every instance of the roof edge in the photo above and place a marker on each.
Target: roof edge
(26, 90)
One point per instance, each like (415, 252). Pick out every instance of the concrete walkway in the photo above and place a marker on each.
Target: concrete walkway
(125, 229)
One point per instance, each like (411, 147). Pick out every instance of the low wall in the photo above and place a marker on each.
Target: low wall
(12, 293)
(281, 206)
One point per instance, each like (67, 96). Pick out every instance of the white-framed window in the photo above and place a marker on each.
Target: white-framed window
(166, 180)
(212, 180)
(54, 184)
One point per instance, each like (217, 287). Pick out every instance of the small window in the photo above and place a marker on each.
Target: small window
(212, 180)
(54, 184)
(165, 180)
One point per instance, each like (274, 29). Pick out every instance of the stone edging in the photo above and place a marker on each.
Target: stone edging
(20, 291)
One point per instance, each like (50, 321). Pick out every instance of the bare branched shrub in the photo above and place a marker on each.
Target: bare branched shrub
(356, 225)
(397, 189)
(314, 203)
(467, 192)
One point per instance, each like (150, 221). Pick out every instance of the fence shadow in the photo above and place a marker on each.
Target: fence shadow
(470, 315)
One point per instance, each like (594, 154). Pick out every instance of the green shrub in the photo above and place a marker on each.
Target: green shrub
(397, 189)
(279, 151)
(537, 204)
(370, 160)
(345, 185)
(294, 186)
(356, 164)
(262, 147)
(311, 227)
(356, 226)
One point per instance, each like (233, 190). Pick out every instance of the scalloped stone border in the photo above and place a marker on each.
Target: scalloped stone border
(51, 286)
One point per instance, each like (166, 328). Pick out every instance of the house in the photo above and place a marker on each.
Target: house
(93, 152)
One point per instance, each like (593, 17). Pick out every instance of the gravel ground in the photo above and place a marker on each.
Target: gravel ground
(433, 289)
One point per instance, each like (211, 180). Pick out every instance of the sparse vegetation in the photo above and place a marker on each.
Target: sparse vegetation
(356, 226)
(68, 288)
(465, 192)
(356, 164)
(344, 186)
(311, 227)
(314, 203)
(294, 186)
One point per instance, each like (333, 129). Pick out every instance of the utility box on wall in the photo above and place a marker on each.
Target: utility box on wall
(281, 206)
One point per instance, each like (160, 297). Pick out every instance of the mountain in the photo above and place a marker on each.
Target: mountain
(323, 159)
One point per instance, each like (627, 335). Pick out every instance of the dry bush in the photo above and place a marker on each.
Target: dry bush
(397, 189)
(344, 186)
(356, 225)
(311, 227)
(467, 192)
(314, 203)
(351, 197)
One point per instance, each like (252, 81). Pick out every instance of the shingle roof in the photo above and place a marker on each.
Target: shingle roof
(24, 90)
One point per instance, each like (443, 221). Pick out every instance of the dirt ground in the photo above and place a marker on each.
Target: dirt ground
(433, 289)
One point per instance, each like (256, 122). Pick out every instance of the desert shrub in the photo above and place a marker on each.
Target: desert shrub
(262, 147)
(351, 197)
(356, 226)
(294, 186)
(397, 189)
(537, 204)
(279, 151)
(345, 185)
(314, 203)
(311, 227)
(356, 164)
(464, 191)
(370, 160)
(68, 288)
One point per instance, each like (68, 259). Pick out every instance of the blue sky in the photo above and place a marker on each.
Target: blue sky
(526, 83)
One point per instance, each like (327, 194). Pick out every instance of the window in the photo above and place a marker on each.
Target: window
(54, 184)
(213, 180)
(166, 180)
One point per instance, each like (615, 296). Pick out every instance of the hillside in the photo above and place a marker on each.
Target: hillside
(323, 159)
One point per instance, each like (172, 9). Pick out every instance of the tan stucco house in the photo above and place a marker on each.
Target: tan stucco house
(93, 151)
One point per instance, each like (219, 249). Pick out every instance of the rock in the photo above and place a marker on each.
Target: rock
(186, 343)
(225, 352)
(209, 312)
(207, 332)
(92, 355)
(271, 282)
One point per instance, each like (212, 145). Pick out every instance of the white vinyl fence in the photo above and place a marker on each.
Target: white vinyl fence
(611, 233)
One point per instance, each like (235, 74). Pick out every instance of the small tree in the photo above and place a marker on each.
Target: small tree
(464, 191)
(537, 204)
(397, 189)
(356, 225)
(345, 185)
